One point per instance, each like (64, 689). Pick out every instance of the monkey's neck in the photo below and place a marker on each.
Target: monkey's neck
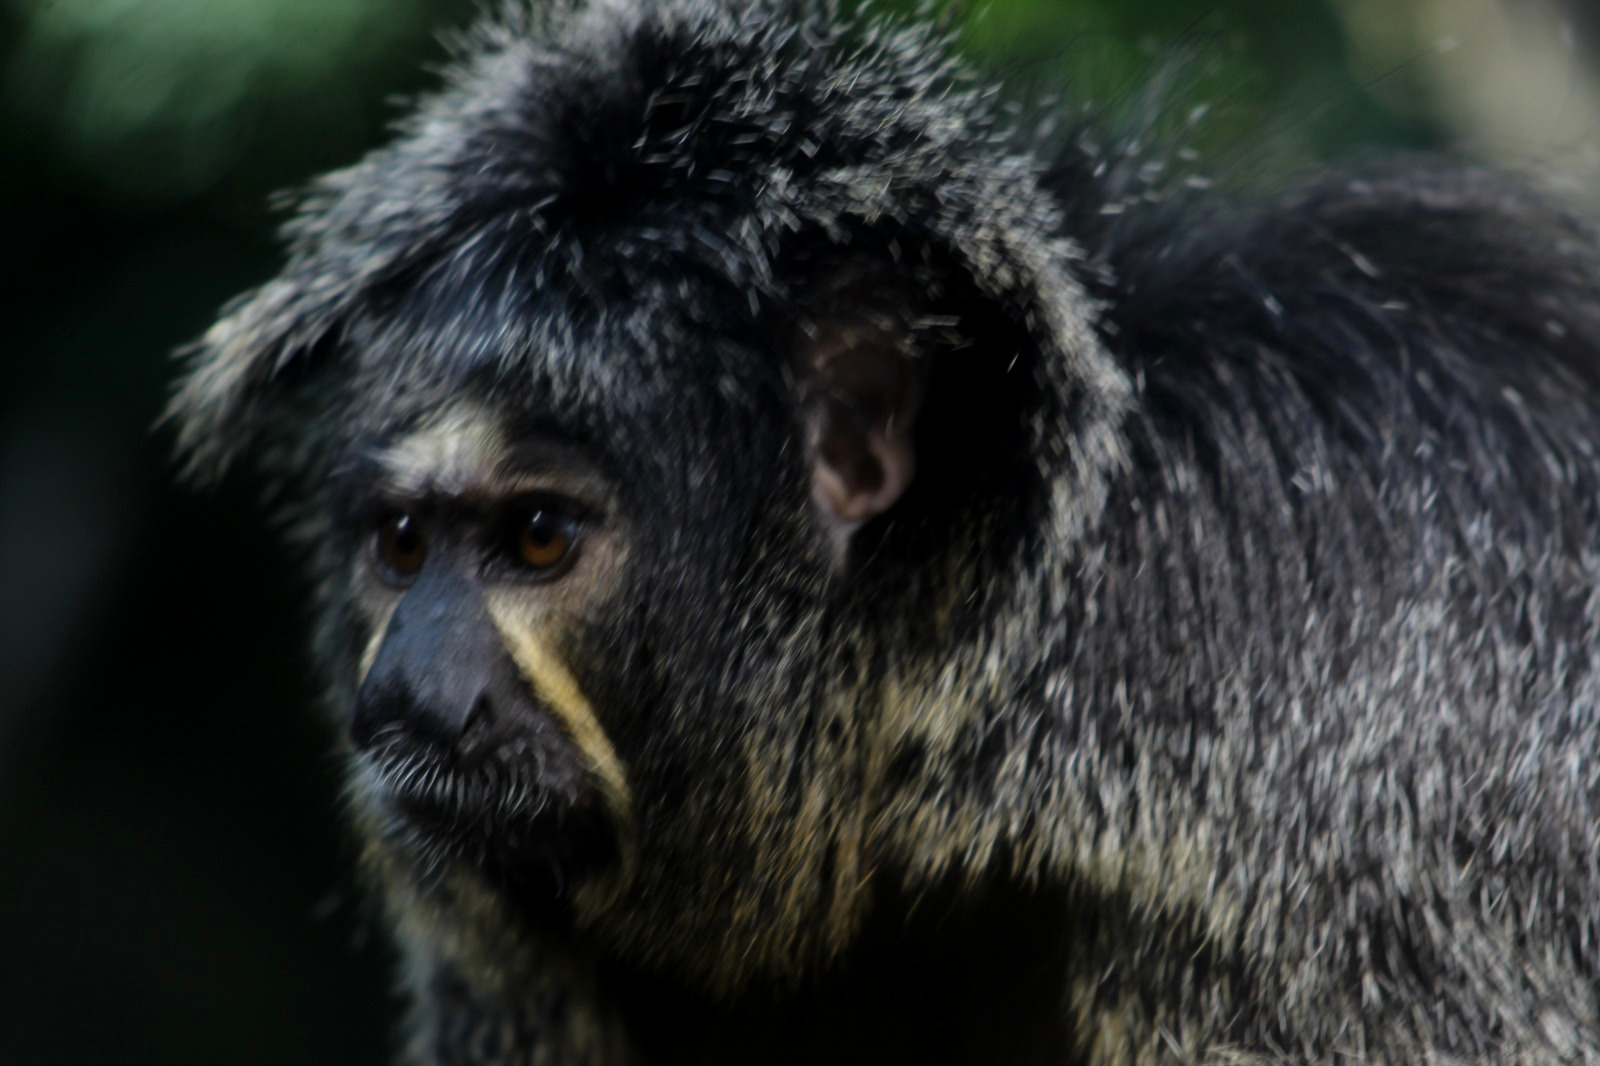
(930, 980)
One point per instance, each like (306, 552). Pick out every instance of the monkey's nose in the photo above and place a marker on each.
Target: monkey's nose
(437, 719)
(464, 702)
(441, 676)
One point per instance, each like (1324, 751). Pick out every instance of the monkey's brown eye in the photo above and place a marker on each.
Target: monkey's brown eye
(399, 547)
(544, 539)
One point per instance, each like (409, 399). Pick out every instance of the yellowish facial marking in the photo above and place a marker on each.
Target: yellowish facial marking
(558, 691)
(453, 453)
(380, 629)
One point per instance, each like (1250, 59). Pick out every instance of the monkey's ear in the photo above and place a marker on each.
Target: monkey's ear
(861, 392)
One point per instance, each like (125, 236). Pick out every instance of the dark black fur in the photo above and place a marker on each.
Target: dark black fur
(1223, 688)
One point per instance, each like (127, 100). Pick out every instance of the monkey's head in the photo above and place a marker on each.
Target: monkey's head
(667, 420)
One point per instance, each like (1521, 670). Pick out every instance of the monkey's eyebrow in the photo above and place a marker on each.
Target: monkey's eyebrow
(530, 463)
(538, 456)
(355, 486)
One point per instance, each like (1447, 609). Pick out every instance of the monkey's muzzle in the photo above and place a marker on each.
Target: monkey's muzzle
(456, 750)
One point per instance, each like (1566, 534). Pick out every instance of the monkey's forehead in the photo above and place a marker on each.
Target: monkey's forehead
(539, 357)
(636, 389)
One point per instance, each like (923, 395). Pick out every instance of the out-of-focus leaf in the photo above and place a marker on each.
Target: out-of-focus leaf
(160, 96)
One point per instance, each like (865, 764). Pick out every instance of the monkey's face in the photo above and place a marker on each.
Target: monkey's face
(599, 649)
(477, 560)
(614, 601)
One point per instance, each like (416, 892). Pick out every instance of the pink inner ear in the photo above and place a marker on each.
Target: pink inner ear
(858, 475)
(865, 393)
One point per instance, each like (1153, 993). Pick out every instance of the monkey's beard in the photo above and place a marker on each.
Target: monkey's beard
(524, 820)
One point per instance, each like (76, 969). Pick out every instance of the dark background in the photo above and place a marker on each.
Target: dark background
(175, 885)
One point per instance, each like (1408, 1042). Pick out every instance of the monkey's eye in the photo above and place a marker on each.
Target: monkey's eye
(398, 546)
(542, 538)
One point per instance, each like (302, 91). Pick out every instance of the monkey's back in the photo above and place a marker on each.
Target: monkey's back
(1347, 612)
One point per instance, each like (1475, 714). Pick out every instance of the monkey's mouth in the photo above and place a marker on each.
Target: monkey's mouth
(520, 815)
(427, 788)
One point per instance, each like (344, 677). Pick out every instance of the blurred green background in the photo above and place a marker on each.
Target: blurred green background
(174, 884)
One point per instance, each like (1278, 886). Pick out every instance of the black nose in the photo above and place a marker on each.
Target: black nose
(442, 676)
(437, 719)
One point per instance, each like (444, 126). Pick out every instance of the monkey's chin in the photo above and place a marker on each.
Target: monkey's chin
(532, 841)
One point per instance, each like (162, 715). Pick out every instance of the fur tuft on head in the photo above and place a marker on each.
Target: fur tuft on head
(586, 154)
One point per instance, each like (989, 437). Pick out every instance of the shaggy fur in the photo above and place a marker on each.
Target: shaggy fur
(1222, 690)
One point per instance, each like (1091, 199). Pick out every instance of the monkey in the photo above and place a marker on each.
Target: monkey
(811, 565)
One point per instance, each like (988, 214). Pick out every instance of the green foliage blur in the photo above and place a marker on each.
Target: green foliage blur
(174, 884)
